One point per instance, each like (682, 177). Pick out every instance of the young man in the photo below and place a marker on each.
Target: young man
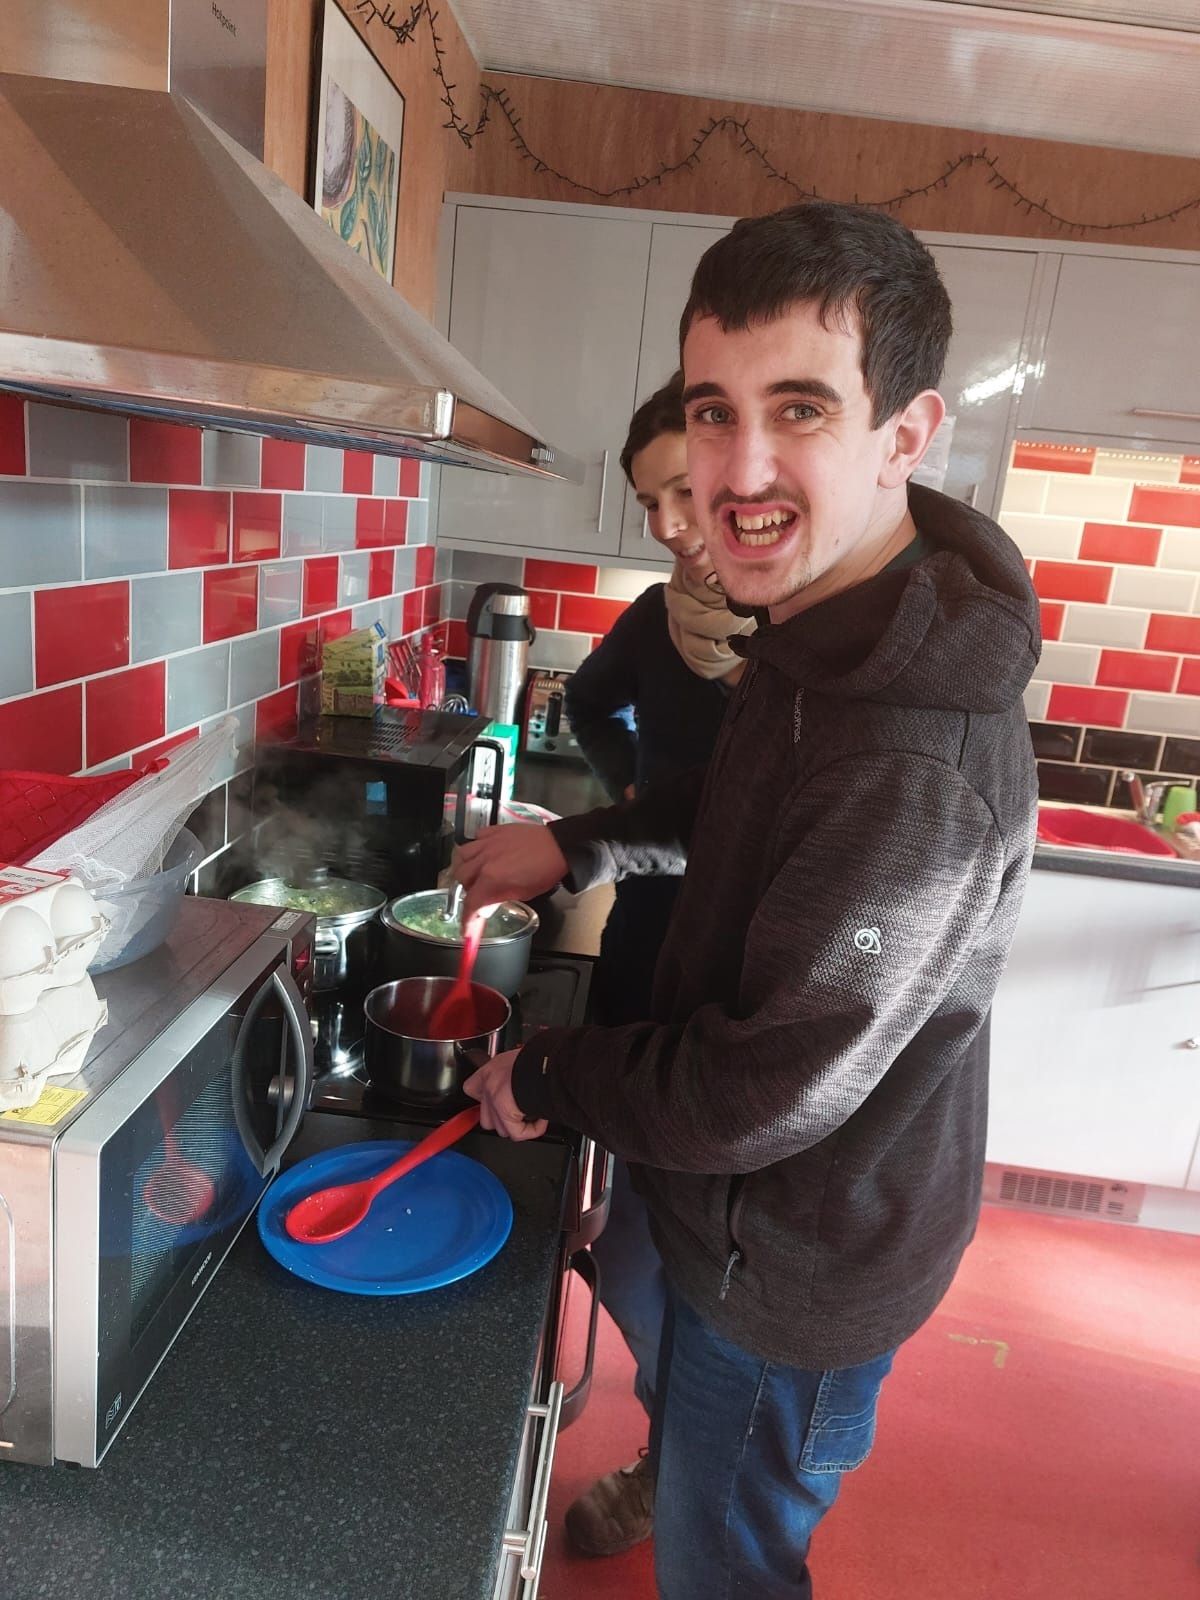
(805, 1109)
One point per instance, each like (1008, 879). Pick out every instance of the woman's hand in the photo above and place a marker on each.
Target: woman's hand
(515, 862)
(498, 1111)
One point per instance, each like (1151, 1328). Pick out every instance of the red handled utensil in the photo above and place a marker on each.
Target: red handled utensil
(329, 1213)
(454, 1017)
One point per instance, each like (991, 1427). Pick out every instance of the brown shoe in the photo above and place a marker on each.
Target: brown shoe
(616, 1513)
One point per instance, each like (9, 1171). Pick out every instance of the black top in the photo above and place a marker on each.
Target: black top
(641, 715)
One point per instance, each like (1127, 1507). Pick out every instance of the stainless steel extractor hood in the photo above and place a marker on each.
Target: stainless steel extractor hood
(148, 264)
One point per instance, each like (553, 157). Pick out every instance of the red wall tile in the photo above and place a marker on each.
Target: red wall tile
(80, 630)
(381, 574)
(320, 584)
(275, 714)
(564, 575)
(410, 478)
(256, 523)
(1053, 457)
(456, 639)
(1137, 669)
(44, 732)
(369, 524)
(145, 757)
(582, 614)
(12, 434)
(395, 522)
(1189, 678)
(1053, 612)
(426, 562)
(543, 608)
(1174, 633)
(163, 452)
(431, 606)
(299, 650)
(282, 464)
(414, 606)
(1116, 541)
(1070, 580)
(124, 710)
(1179, 508)
(1191, 470)
(230, 602)
(1102, 708)
(358, 472)
(335, 626)
(197, 527)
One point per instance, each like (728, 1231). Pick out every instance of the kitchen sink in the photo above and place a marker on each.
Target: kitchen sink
(1098, 830)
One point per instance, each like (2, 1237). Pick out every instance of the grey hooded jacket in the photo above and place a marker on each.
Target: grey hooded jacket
(806, 1110)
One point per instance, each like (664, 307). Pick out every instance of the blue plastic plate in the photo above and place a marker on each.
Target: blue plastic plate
(440, 1223)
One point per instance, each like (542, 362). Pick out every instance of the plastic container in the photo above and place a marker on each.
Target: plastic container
(143, 913)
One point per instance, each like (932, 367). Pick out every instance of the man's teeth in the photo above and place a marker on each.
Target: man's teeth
(762, 529)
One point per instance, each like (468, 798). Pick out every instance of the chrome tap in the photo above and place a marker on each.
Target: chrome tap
(1147, 798)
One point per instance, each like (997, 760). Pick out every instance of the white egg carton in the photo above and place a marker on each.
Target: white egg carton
(50, 931)
(49, 1040)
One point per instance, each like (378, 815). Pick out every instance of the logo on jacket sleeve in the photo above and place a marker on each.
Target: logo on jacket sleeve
(868, 941)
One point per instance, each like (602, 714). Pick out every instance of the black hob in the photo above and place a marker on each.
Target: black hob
(553, 994)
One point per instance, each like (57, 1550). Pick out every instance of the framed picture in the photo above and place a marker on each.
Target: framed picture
(359, 131)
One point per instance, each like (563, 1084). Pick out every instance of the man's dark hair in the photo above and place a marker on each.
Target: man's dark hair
(844, 259)
(662, 413)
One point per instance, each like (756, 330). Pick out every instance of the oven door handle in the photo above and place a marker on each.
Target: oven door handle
(584, 1264)
(284, 985)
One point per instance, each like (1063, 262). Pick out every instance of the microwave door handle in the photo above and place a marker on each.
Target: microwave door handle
(292, 1002)
(501, 752)
(282, 983)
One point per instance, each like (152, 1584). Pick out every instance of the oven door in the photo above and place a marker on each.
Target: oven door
(155, 1181)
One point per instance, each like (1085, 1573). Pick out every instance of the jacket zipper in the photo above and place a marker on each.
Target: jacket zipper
(737, 1186)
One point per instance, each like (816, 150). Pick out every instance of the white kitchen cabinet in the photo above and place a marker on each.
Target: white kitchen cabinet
(674, 251)
(1093, 1067)
(548, 305)
(990, 291)
(1122, 353)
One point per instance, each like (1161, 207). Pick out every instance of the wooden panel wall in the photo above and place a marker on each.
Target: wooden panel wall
(606, 138)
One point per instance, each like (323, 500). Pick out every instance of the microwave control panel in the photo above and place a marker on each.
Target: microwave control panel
(547, 731)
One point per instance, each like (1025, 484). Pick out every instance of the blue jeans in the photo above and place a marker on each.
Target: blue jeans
(633, 1287)
(748, 1458)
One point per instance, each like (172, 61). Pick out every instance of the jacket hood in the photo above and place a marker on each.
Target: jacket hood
(959, 630)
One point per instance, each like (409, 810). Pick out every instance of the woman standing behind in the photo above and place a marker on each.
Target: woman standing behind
(646, 705)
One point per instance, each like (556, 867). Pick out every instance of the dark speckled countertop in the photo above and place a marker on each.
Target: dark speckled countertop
(297, 1442)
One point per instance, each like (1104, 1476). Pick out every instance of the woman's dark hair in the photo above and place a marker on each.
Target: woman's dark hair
(845, 260)
(662, 413)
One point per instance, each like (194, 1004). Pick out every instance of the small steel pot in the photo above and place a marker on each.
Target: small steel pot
(503, 958)
(346, 945)
(404, 1064)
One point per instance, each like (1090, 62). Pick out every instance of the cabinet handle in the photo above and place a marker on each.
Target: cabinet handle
(603, 487)
(1174, 416)
(1190, 1044)
(645, 524)
(529, 1544)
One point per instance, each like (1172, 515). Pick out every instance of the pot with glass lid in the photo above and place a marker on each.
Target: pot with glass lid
(423, 938)
(347, 913)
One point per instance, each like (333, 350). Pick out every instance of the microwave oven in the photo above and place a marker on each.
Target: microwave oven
(123, 1189)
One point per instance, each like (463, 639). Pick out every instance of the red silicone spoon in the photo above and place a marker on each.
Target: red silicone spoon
(329, 1213)
(454, 1017)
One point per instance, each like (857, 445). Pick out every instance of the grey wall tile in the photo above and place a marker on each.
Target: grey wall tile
(418, 522)
(77, 444)
(443, 566)
(279, 586)
(387, 476)
(207, 821)
(231, 460)
(197, 686)
(352, 580)
(243, 755)
(253, 667)
(456, 598)
(41, 533)
(302, 522)
(16, 644)
(124, 531)
(480, 566)
(363, 616)
(340, 511)
(164, 614)
(562, 650)
(406, 570)
(323, 468)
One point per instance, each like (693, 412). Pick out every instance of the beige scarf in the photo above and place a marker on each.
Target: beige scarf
(700, 624)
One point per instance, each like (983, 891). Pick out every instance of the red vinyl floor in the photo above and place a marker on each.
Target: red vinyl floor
(1039, 1438)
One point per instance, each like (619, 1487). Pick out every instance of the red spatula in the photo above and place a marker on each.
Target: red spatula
(329, 1213)
(454, 1017)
